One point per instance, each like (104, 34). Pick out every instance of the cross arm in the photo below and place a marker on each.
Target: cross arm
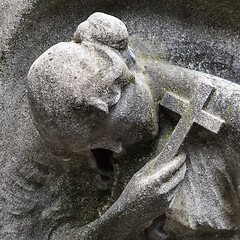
(174, 103)
(209, 121)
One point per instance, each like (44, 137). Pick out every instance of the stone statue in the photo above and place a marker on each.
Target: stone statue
(92, 94)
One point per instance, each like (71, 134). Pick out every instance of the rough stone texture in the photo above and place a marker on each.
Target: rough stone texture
(211, 181)
(200, 35)
(105, 29)
(73, 87)
(89, 96)
(191, 111)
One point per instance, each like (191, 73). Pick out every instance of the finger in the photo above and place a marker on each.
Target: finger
(174, 181)
(170, 168)
(150, 174)
(171, 174)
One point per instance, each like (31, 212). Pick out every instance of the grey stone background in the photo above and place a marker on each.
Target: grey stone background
(201, 35)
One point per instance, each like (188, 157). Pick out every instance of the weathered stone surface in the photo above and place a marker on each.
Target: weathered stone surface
(73, 86)
(192, 110)
(209, 184)
(201, 35)
(100, 27)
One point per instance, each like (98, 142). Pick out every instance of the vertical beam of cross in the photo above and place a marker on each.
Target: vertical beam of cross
(190, 112)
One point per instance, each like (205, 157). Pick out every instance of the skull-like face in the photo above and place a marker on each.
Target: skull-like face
(83, 96)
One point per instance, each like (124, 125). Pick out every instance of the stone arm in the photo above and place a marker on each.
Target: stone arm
(149, 194)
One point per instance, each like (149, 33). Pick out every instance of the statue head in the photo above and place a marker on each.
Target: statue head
(84, 95)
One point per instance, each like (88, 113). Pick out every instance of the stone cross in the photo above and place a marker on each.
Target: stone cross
(190, 112)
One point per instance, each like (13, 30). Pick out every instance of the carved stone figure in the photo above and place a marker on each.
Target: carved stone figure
(92, 95)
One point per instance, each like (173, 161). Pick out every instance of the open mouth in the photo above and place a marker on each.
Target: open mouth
(104, 160)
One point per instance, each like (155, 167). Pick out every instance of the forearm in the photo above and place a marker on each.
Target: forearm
(117, 223)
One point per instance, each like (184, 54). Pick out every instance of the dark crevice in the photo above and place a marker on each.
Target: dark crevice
(156, 230)
(104, 160)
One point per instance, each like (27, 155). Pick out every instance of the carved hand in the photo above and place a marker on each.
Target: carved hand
(151, 191)
(148, 195)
